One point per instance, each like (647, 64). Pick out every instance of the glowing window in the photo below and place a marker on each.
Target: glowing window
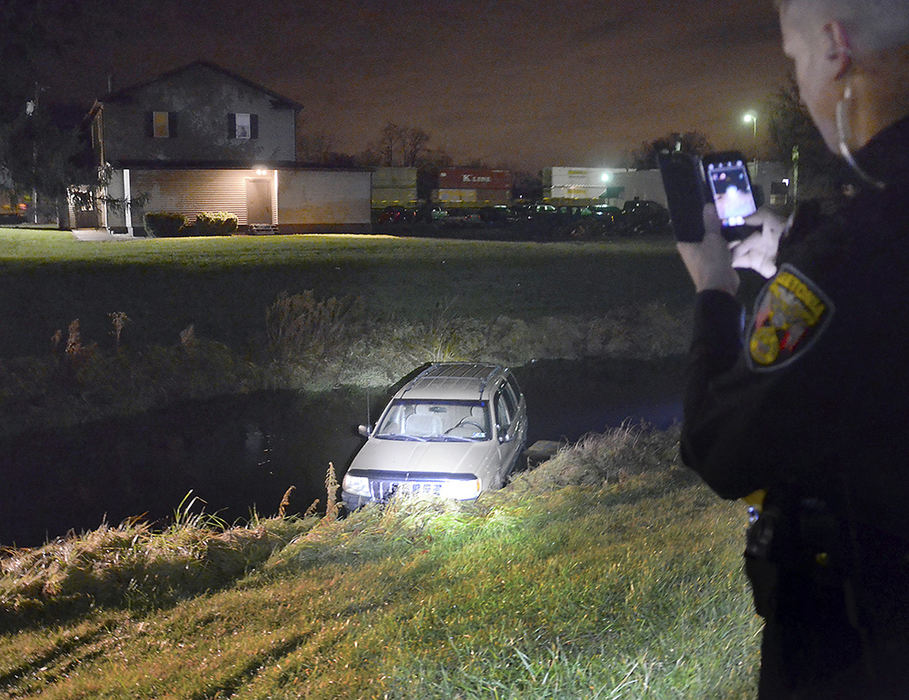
(161, 125)
(243, 129)
(242, 125)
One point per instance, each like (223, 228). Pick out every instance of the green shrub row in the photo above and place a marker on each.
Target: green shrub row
(163, 224)
(215, 223)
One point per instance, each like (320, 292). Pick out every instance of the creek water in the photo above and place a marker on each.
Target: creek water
(241, 453)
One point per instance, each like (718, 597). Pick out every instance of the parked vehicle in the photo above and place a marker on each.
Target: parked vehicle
(462, 216)
(395, 215)
(455, 430)
(643, 217)
(495, 215)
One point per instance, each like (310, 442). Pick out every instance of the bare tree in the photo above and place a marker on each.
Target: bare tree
(392, 139)
(415, 140)
(795, 139)
(315, 147)
(645, 157)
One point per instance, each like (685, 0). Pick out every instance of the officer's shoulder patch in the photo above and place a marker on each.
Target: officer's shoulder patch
(789, 316)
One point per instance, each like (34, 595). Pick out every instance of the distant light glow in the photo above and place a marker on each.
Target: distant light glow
(606, 177)
(751, 118)
(261, 171)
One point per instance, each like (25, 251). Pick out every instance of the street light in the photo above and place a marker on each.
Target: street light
(752, 118)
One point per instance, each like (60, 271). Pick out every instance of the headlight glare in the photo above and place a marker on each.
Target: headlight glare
(356, 485)
(461, 490)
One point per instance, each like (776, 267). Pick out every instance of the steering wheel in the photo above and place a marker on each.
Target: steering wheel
(465, 422)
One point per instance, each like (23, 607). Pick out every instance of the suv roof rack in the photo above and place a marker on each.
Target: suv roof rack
(439, 372)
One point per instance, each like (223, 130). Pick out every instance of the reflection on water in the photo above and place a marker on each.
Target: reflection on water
(242, 453)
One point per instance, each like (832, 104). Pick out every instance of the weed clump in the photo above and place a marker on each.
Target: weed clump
(600, 458)
(301, 328)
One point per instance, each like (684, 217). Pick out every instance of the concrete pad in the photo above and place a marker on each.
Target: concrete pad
(98, 234)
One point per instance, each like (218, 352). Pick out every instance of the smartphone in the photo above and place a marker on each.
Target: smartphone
(686, 193)
(730, 188)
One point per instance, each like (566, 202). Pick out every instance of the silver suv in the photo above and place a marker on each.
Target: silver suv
(455, 430)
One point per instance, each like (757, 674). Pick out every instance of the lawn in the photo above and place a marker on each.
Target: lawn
(224, 285)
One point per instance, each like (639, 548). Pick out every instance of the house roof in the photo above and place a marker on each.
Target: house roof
(280, 100)
(231, 165)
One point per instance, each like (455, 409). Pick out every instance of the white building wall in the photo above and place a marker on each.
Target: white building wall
(301, 198)
(640, 184)
(317, 197)
(579, 183)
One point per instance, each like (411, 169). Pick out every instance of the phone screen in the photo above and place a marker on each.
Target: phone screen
(731, 190)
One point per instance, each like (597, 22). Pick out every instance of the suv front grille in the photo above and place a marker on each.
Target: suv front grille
(384, 483)
(382, 489)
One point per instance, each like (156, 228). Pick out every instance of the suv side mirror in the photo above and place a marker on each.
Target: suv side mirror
(364, 430)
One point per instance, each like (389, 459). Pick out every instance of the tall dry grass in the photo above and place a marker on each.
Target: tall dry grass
(302, 328)
(134, 566)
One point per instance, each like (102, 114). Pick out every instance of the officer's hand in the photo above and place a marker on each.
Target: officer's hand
(709, 262)
(758, 251)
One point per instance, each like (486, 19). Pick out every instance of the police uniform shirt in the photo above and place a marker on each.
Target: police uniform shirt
(813, 390)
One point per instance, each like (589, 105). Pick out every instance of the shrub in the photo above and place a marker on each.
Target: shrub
(215, 223)
(164, 224)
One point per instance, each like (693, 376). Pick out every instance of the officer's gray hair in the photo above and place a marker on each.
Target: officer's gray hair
(872, 25)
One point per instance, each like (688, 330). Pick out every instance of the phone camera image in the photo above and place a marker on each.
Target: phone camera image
(731, 190)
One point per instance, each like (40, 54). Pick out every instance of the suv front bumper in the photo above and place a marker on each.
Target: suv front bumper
(384, 484)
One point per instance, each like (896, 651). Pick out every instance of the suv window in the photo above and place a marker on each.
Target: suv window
(505, 406)
(513, 389)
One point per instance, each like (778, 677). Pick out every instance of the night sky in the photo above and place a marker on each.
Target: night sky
(516, 83)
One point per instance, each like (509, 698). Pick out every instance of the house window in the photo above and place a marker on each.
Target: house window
(161, 125)
(242, 125)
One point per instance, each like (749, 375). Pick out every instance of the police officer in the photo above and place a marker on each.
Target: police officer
(805, 409)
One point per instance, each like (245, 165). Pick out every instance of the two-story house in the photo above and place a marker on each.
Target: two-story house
(201, 138)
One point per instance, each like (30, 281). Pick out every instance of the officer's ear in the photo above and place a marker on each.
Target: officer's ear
(839, 48)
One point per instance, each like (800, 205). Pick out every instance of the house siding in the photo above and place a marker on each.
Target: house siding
(200, 98)
(303, 199)
(191, 192)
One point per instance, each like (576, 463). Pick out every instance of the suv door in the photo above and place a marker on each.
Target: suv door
(511, 428)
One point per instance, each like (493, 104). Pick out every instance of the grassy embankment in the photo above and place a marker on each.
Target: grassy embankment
(608, 572)
(201, 317)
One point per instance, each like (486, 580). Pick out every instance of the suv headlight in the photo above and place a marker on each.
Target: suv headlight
(460, 490)
(356, 485)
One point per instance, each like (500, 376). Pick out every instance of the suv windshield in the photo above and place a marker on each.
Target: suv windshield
(418, 419)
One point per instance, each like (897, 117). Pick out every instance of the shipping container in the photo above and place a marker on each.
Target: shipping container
(395, 178)
(453, 195)
(474, 178)
(578, 183)
(476, 197)
(401, 196)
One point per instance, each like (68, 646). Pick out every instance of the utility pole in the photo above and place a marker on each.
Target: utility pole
(30, 107)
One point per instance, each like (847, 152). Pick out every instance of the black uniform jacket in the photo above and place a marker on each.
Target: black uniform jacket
(813, 390)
